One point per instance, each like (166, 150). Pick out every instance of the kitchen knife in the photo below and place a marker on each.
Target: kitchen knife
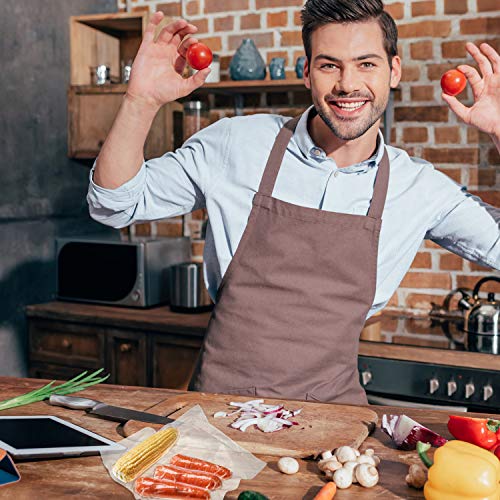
(116, 413)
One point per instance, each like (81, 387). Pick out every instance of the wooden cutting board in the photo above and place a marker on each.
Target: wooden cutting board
(321, 426)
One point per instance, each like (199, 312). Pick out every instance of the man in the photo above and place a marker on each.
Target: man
(297, 256)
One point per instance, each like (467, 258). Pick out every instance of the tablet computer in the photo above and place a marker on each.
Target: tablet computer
(44, 436)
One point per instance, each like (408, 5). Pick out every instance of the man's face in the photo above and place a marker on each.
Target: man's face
(350, 77)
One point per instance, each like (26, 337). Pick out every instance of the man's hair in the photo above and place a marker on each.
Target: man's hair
(317, 13)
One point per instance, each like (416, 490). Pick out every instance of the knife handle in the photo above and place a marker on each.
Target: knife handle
(72, 402)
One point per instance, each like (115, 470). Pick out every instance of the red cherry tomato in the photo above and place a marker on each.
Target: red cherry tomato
(453, 82)
(199, 56)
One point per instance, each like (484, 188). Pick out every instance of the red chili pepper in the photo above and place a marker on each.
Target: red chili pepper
(482, 432)
(496, 451)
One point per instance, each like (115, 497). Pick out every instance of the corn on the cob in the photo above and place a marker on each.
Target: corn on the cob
(139, 458)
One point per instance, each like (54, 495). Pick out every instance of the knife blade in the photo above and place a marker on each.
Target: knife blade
(116, 413)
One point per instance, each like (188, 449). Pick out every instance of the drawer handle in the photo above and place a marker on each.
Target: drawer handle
(66, 344)
(125, 347)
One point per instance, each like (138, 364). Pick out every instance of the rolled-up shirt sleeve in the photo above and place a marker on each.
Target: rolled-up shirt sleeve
(173, 184)
(467, 226)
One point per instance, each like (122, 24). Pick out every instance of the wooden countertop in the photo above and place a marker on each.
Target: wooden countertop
(86, 477)
(162, 319)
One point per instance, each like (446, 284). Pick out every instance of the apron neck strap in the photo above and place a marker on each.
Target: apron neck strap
(380, 188)
(278, 152)
(276, 157)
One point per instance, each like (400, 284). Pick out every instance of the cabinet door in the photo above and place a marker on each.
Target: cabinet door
(54, 372)
(174, 359)
(127, 358)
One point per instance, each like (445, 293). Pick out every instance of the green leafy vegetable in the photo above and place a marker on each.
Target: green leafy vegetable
(76, 384)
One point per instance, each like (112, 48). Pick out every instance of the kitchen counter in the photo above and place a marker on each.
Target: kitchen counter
(86, 477)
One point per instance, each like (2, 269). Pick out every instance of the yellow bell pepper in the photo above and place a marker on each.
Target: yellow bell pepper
(461, 471)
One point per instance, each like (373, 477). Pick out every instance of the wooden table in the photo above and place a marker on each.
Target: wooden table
(86, 477)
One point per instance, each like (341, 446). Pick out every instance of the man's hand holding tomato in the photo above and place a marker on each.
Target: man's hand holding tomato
(484, 113)
(156, 77)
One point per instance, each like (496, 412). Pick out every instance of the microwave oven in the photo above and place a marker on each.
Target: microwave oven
(126, 273)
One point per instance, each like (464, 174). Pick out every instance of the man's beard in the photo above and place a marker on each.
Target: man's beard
(350, 129)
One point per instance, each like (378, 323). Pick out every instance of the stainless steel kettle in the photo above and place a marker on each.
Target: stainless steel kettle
(481, 315)
(188, 293)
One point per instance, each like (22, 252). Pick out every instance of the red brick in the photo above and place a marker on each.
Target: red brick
(214, 43)
(276, 53)
(421, 114)
(427, 8)
(410, 74)
(396, 10)
(431, 244)
(260, 39)
(202, 25)
(451, 155)
(485, 177)
(225, 5)
(170, 9)
(425, 28)
(490, 197)
(291, 38)
(393, 301)
(224, 23)
(265, 4)
(193, 8)
(468, 281)
(422, 50)
(447, 135)
(436, 71)
(487, 5)
(423, 300)
(478, 267)
(476, 136)
(250, 22)
(455, 6)
(275, 19)
(169, 228)
(422, 93)
(453, 50)
(493, 156)
(415, 134)
(480, 26)
(141, 8)
(297, 21)
(453, 173)
(200, 214)
(197, 247)
(451, 262)
(426, 280)
(422, 261)
(143, 229)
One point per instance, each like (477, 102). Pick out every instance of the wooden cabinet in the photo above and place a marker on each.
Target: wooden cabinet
(143, 347)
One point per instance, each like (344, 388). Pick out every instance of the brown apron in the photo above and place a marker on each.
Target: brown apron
(294, 299)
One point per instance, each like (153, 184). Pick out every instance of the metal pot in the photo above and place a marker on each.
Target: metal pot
(188, 293)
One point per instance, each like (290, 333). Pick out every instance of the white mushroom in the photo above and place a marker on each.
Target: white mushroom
(326, 455)
(366, 459)
(370, 452)
(377, 460)
(342, 478)
(352, 466)
(345, 454)
(329, 465)
(288, 465)
(357, 452)
(367, 475)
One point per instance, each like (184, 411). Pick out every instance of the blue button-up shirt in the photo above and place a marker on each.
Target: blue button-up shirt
(221, 166)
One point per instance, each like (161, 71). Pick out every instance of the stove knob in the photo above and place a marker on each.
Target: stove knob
(433, 385)
(469, 390)
(366, 377)
(452, 387)
(487, 392)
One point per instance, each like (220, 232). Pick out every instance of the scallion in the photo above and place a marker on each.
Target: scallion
(76, 384)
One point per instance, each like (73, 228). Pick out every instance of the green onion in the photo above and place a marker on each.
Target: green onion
(76, 384)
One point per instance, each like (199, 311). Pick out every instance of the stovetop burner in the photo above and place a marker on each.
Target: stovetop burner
(436, 330)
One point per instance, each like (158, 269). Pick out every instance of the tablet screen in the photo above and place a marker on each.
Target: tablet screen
(27, 433)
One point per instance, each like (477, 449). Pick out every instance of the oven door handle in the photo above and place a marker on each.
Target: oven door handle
(379, 401)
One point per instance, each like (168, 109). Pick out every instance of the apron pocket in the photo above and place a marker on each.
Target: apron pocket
(247, 391)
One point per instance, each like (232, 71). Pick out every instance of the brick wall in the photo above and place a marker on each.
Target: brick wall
(432, 34)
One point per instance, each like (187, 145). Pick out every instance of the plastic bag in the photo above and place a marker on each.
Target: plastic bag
(197, 438)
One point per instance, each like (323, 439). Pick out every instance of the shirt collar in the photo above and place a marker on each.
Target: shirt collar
(311, 151)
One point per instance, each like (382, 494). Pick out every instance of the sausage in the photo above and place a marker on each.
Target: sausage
(196, 478)
(192, 463)
(150, 487)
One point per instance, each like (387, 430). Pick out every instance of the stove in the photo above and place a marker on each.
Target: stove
(429, 362)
